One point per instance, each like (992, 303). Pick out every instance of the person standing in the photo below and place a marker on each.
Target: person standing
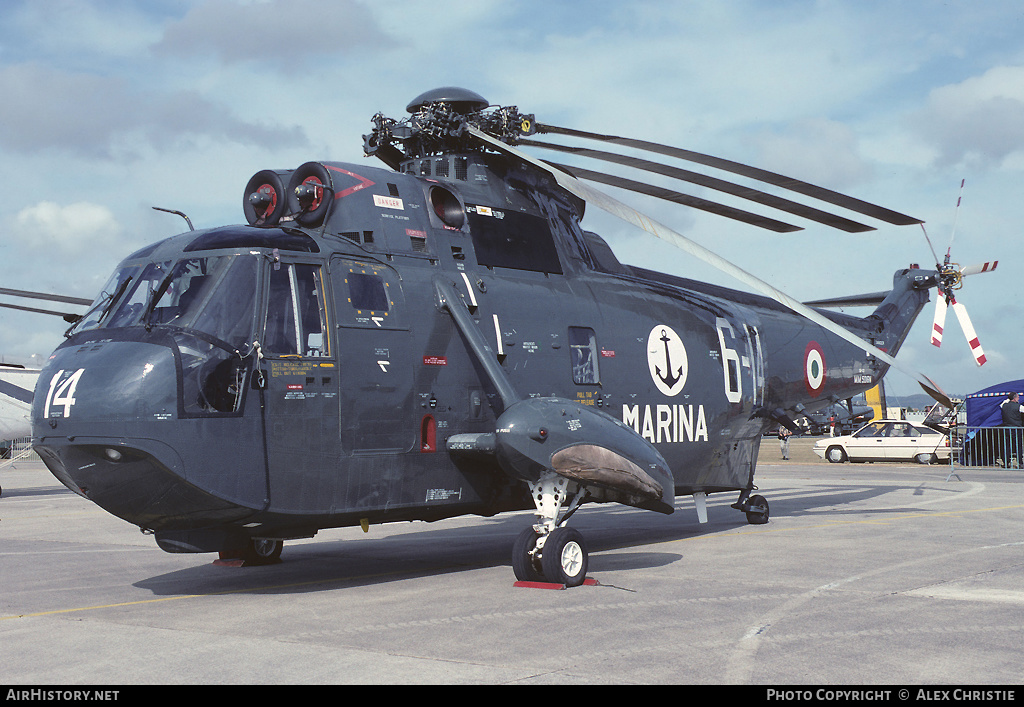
(1013, 416)
(1011, 410)
(784, 435)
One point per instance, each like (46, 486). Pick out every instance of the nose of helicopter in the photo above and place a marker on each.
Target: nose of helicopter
(103, 423)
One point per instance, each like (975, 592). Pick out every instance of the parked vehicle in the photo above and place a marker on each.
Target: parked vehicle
(886, 440)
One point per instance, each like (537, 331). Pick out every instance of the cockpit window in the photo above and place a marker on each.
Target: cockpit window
(109, 296)
(214, 295)
(139, 295)
(296, 319)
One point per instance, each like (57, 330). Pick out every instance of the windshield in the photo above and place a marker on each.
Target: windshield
(215, 295)
(110, 294)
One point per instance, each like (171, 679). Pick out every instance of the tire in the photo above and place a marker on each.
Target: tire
(262, 551)
(925, 458)
(835, 454)
(757, 517)
(564, 559)
(523, 563)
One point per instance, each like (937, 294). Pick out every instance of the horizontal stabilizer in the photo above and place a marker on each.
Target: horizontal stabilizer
(871, 299)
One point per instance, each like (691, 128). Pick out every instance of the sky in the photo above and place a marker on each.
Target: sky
(112, 107)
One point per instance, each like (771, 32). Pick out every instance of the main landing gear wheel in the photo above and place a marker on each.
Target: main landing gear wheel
(564, 557)
(758, 513)
(258, 551)
(263, 551)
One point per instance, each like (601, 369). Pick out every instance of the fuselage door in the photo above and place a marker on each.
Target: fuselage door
(301, 382)
(376, 365)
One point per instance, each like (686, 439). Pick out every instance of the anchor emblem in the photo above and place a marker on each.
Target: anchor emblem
(669, 380)
(667, 360)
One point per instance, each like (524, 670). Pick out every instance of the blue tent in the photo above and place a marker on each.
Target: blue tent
(983, 406)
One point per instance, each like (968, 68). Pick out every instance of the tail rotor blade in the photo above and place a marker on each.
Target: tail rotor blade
(968, 329)
(956, 214)
(940, 320)
(979, 268)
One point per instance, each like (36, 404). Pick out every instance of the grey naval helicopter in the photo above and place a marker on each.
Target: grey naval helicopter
(440, 337)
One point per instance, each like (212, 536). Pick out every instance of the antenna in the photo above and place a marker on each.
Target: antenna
(179, 213)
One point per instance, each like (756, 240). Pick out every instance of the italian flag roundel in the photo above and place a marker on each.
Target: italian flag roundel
(814, 368)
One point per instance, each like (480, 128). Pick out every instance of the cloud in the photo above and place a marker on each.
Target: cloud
(106, 117)
(71, 229)
(281, 32)
(817, 150)
(980, 119)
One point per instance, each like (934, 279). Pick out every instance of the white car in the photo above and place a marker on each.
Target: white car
(886, 440)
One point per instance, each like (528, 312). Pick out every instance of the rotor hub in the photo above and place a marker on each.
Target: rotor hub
(437, 125)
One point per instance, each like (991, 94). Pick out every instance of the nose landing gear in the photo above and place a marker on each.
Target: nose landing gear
(548, 551)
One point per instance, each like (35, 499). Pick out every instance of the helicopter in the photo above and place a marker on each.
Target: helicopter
(437, 337)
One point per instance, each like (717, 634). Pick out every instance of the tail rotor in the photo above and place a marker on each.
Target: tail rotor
(949, 277)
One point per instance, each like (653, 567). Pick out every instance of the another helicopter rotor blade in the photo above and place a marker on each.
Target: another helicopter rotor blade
(721, 185)
(630, 215)
(816, 192)
(679, 198)
(968, 329)
(67, 316)
(940, 319)
(42, 295)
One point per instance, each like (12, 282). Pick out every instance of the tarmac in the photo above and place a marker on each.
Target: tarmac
(883, 575)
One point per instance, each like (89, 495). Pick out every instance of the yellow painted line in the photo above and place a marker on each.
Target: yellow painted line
(199, 596)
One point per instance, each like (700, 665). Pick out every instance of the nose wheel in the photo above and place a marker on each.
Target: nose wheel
(548, 551)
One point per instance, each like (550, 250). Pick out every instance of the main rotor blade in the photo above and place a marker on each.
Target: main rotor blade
(42, 295)
(630, 215)
(721, 185)
(816, 192)
(679, 198)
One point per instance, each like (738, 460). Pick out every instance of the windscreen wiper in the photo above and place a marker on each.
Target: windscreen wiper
(154, 298)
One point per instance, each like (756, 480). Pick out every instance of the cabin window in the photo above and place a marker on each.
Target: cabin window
(296, 318)
(368, 294)
(583, 349)
(366, 291)
(511, 239)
